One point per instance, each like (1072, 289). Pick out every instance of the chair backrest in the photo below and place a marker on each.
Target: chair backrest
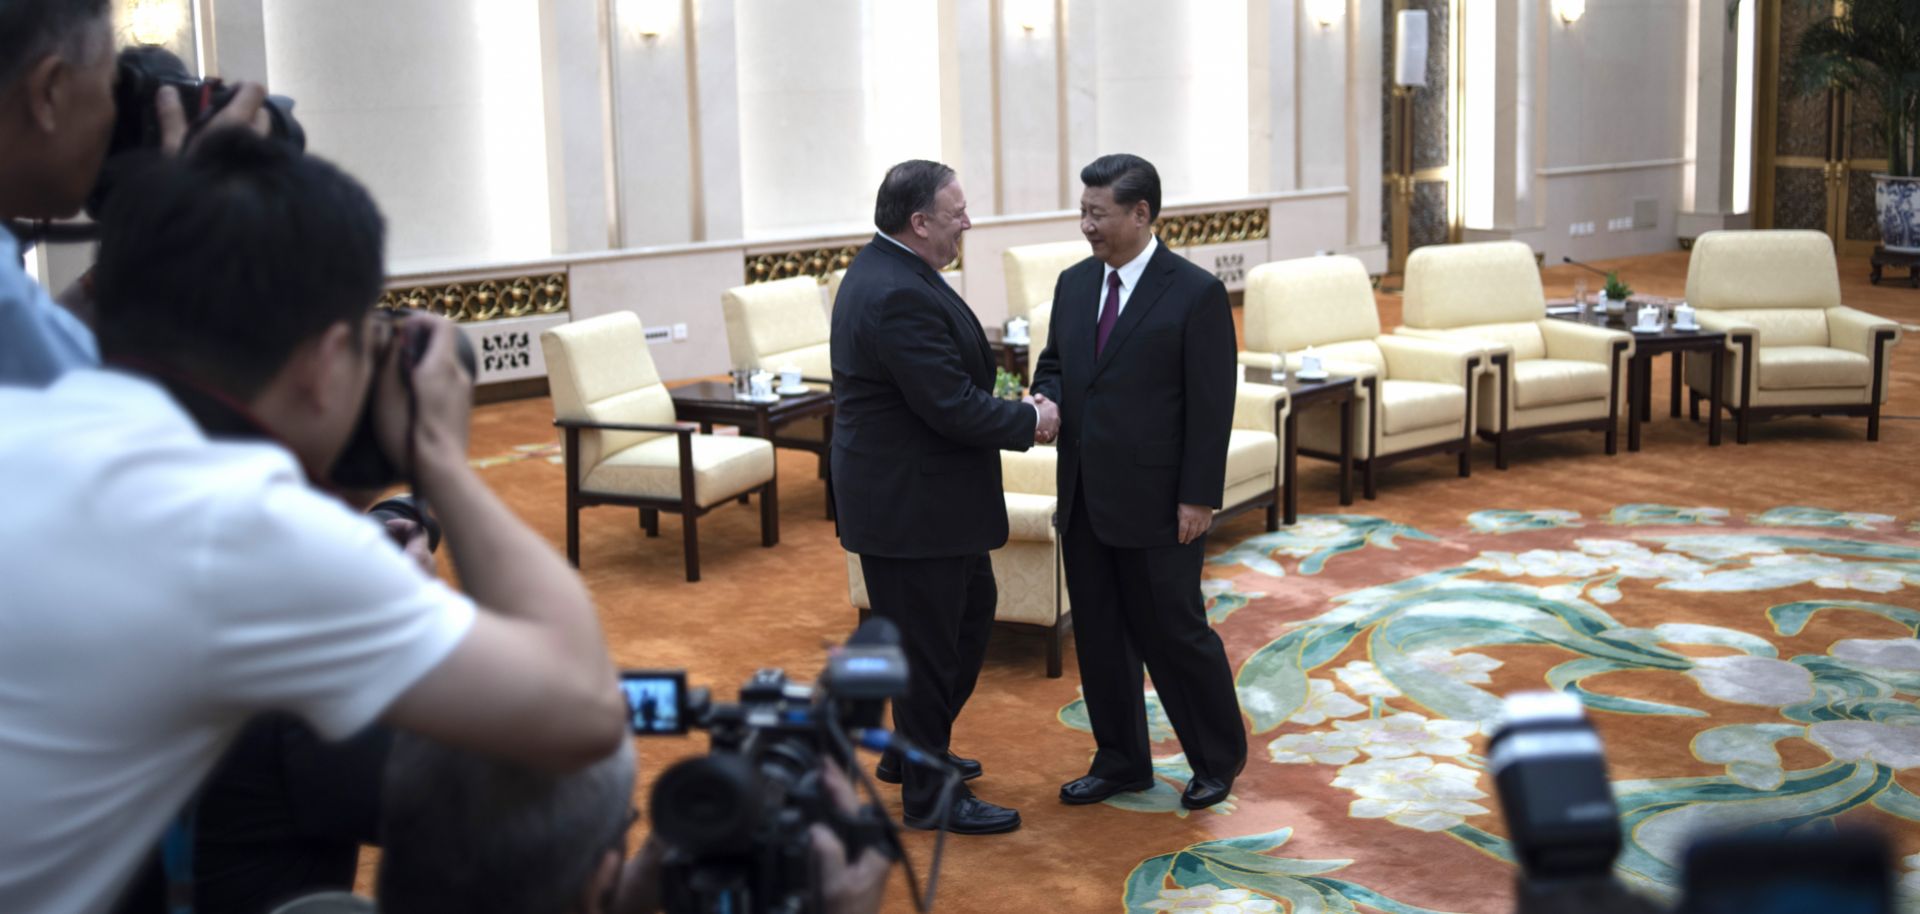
(834, 279)
(1461, 285)
(1311, 301)
(1780, 281)
(1034, 269)
(1039, 327)
(772, 325)
(600, 369)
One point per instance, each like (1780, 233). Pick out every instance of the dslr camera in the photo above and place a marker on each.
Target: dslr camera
(735, 821)
(363, 463)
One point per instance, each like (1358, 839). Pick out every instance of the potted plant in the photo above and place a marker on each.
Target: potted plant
(1871, 48)
(1615, 294)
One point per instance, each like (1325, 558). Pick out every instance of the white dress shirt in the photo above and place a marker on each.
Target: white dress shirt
(1129, 278)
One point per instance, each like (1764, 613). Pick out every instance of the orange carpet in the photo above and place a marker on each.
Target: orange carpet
(1369, 639)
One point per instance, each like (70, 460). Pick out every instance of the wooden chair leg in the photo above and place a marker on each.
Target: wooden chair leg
(689, 524)
(1740, 427)
(1693, 405)
(1500, 450)
(1053, 649)
(650, 521)
(1873, 422)
(573, 535)
(1466, 458)
(770, 513)
(1366, 478)
(1273, 512)
(745, 498)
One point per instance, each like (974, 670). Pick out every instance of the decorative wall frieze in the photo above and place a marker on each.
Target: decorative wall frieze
(1218, 227)
(818, 263)
(472, 301)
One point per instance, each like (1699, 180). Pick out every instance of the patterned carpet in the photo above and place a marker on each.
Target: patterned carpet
(1741, 619)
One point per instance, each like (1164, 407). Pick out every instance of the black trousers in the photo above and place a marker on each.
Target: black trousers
(944, 607)
(1135, 606)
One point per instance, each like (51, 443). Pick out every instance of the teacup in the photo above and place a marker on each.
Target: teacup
(789, 378)
(760, 386)
(1310, 365)
(1683, 316)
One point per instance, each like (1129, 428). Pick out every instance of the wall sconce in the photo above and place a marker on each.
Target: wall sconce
(648, 18)
(1326, 13)
(1570, 11)
(155, 22)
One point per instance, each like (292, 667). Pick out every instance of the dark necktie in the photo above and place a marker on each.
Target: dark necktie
(1109, 313)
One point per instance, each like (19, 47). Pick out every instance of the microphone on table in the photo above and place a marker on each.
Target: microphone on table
(1583, 266)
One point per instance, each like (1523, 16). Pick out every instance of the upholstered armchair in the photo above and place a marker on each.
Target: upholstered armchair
(780, 324)
(1543, 375)
(1027, 570)
(1254, 447)
(1792, 347)
(1415, 394)
(1033, 270)
(623, 446)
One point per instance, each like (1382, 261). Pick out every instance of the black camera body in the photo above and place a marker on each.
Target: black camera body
(1552, 776)
(363, 463)
(140, 72)
(736, 820)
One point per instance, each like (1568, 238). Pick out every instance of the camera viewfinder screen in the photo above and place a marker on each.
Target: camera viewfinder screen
(656, 702)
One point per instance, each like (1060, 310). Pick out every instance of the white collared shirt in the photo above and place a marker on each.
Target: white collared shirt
(1129, 278)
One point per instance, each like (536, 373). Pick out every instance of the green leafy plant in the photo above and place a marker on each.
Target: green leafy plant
(1006, 384)
(1870, 49)
(1615, 289)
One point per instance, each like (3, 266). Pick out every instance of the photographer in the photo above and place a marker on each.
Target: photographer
(465, 833)
(56, 120)
(164, 585)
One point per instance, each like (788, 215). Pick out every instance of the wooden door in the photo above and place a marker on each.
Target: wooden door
(1814, 162)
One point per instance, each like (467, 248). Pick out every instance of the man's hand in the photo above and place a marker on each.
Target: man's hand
(1194, 521)
(1047, 425)
(442, 397)
(846, 888)
(247, 109)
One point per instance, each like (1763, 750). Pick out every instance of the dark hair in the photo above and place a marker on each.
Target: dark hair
(1132, 178)
(908, 188)
(31, 28)
(220, 263)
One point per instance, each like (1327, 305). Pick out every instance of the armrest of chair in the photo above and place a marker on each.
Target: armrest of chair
(1260, 407)
(1033, 471)
(675, 429)
(1412, 358)
(1582, 342)
(1271, 361)
(1736, 330)
(1854, 330)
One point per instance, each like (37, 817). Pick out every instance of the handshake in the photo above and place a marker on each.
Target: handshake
(1046, 426)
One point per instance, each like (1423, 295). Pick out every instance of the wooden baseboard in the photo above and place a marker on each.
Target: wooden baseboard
(510, 390)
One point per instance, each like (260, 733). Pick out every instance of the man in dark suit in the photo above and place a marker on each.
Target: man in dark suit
(917, 435)
(1140, 360)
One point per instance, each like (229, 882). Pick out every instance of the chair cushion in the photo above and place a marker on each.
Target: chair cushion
(1800, 367)
(1551, 382)
(1251, 454)
(723, 466)
(1738, 270)
(1309, 301)
(1406, 406)
(1457, 285)
(1030, 517)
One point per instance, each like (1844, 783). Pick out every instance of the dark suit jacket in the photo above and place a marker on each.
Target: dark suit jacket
(1144, 427)
(917, 432)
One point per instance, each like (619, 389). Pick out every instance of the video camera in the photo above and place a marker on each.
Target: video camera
(1551, 773)
(736, 820)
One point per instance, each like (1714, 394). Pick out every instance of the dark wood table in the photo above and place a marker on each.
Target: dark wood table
(1012, 356)
(1337, 390)
(713, 403)
(1640, 368)
(1883, 258)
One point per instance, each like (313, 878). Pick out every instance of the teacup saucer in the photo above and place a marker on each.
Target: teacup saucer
(1653, 329)
(1320, 375)
(1687, 327)
(794, 391)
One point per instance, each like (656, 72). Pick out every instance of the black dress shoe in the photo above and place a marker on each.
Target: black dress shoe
(972, 816)
(1203, 792)
(887, 773)
(1091, 789)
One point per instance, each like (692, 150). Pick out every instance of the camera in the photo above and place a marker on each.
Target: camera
(363, 463)
(736, 820)
(140, 71)
(1550, 770)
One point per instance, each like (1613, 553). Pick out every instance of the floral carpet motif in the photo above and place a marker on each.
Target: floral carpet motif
(1745, 671)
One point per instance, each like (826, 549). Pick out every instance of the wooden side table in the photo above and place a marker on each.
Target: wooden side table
(1885, 258)
(713, 403)
(1335, 390)
(1011, 356)
(1640, 370)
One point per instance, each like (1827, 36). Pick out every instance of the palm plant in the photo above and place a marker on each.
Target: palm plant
(1869, 48)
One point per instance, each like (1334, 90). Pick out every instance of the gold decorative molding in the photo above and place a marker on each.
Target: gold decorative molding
(477, 300)
(1194, 229)
(818, 263)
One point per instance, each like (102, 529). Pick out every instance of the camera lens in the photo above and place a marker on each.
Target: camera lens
(708, 805)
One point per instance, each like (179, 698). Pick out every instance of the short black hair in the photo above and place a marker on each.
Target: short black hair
(908, 188)
(1132, 178)
(218, 264)
(31, 28)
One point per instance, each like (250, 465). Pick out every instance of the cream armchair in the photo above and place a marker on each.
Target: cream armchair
(1792, 347)
(1032, 272)
(774, 325)
(1254, 469)
(1027, 570)
(1543, 375)
(623, 446)
(1415, 395)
